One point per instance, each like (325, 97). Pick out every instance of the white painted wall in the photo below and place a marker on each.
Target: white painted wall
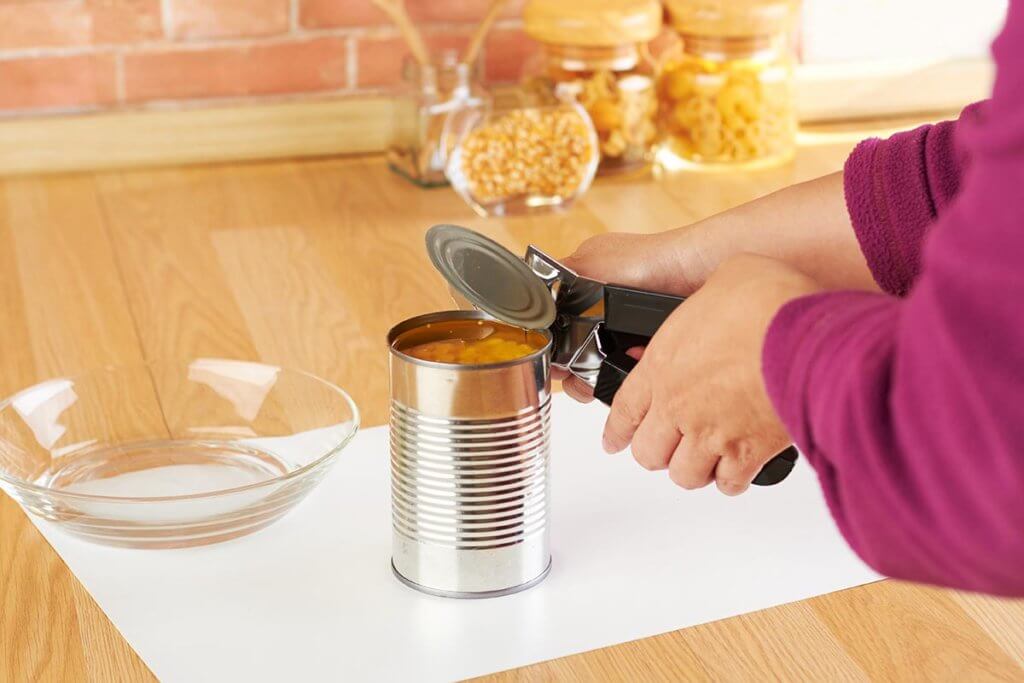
(899, 30)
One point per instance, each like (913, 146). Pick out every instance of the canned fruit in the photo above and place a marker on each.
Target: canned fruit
(469, 342)
(478, 352)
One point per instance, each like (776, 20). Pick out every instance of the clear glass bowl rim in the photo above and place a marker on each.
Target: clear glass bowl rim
(121, 367)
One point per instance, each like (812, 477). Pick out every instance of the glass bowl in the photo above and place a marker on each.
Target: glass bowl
(162, 455)
(523, 160)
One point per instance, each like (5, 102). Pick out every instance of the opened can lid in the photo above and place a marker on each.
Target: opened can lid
(490, 277)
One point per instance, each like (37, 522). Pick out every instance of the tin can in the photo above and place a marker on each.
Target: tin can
(470, 451)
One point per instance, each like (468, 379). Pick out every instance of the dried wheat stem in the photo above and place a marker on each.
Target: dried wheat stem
(482, 30)
(395, 9)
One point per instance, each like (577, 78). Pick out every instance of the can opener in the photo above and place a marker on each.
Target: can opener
(592, 323)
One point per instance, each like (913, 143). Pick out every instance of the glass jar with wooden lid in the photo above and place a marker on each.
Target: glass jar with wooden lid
(595, 52)
(726, 98)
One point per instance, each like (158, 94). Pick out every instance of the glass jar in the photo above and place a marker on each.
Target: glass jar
(594, 52)
(726, 98)
(524, 160)
(431, 93)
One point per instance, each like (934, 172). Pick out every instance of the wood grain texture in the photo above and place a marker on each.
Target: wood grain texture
(129, 139)
(308, 264)
(62, 309)
(887, 633)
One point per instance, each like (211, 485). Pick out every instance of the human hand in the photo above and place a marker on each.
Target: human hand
(667, 262)
(696, 403)
(662, 262)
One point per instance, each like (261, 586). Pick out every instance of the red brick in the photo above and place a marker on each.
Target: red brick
(380, 59)
(298, 66)
(58, 23)
(49, 82)
(506, 52)
(327, 13)
(228, 18)
(44, 24)
(457, 11)
(125, 21)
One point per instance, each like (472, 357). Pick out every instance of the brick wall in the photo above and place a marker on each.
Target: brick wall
(83, 55)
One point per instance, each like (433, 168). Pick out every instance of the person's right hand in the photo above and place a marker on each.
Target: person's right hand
(662, 262)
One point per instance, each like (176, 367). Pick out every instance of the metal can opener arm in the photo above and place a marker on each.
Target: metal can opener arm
(631, 317)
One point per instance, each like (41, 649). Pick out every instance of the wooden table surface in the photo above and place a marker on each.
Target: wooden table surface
(307, 264)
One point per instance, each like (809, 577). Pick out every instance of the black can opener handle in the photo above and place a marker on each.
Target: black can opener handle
(631, 317)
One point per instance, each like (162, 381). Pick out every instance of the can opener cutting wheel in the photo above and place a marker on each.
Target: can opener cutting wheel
(592, 323)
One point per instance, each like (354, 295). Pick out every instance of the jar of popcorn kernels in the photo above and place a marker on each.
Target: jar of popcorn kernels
(594, 52)
(524, 160)
(726, 98)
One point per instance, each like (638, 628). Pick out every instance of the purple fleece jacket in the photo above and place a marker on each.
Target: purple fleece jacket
(910, 404)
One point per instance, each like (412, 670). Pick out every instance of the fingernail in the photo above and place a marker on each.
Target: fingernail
(609, 445)
(731, 488)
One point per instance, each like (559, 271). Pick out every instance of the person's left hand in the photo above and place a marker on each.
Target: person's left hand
(696, 403)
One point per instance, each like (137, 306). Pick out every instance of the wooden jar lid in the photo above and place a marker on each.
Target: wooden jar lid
(592, 23)
(731, 18)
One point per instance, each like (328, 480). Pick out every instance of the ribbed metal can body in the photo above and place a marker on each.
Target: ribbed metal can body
(470, 449)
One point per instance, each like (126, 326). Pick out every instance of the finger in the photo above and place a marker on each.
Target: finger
(572, 262)
(655, 441)
(636, 352)
(736, 469)
(628, 410)
(559, 373)
(578, 389)
(692, 465)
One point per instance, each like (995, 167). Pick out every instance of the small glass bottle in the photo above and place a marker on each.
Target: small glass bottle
(594, 52)
(726, 100)
(431, 93)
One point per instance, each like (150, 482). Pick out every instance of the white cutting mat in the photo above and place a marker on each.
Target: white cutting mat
(313, 598)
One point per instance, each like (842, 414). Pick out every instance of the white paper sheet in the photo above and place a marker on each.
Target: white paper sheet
(313, 598)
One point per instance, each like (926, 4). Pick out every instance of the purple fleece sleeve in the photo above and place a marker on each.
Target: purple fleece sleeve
(896, 188)
(912, 409)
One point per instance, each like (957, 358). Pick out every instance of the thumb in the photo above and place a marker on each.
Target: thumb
(629, 408)
(623, 258)
(576, 261)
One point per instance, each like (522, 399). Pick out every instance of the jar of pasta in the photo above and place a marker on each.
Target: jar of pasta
(594, 52)
(726, 97)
